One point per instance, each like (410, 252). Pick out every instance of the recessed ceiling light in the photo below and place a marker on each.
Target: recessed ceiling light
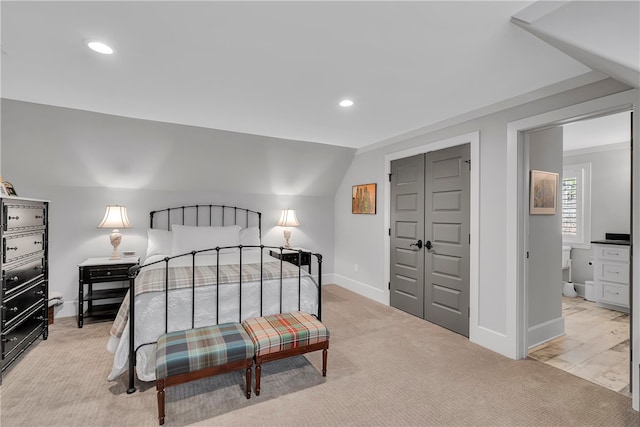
(100, 48)
(346, 103)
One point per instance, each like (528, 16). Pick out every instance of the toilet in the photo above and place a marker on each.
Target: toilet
(567, 287)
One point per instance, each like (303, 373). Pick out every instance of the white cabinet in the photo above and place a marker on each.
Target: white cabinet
(611, 276)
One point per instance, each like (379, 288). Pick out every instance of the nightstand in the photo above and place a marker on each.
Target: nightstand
(102, 270)
(291, 255)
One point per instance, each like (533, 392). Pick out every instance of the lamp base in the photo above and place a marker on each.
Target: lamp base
(115, 238)
(287, 236)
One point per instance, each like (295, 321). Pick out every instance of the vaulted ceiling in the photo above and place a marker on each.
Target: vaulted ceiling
(279, 69)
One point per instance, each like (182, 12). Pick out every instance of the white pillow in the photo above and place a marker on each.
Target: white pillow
(250, 236)
(159, 242)
(191, 238)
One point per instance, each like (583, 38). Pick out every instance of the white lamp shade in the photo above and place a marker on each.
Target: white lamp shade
(115, 217)
(288, 218)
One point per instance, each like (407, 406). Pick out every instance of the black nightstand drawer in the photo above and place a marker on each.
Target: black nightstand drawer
(105, 274)
(293, 256)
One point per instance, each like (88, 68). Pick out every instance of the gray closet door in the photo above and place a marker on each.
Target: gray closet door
(407, 228)
(447, 232)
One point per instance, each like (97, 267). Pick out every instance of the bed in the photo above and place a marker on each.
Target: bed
(205, 264)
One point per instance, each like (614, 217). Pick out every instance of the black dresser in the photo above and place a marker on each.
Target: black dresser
(24, 232)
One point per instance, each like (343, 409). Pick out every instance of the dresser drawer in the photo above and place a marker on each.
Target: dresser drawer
(612, 252)
(22, 216)
(23, 301)
(21, 246)
(22, 273)
(614, 293)
(19, 337)
(107, 273)
(612, 271)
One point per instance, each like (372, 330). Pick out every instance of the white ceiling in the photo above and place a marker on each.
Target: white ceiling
(278, 68)
(610, 129)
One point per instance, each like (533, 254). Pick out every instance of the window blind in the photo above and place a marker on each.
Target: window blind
(569, 205)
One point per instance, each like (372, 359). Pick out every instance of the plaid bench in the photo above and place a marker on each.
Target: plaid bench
(284, 335)
(192, 354)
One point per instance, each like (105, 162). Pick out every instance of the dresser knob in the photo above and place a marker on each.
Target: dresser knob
(40, 318)
(40, 293)
(108, 273)
(13, 309)
(37, 243)
(12, 249)
(14, 279)
(39, 217)
(12, 339)
(13, 217)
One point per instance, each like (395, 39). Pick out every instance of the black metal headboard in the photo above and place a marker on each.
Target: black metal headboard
(207, 216)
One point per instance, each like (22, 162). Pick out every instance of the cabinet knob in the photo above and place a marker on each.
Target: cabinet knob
(40, 293)
(37, 243)
(14, 279)
(15, 248)
(108, 273)
(13, 217)
(39, 216)
(12, 339)
(13, 309)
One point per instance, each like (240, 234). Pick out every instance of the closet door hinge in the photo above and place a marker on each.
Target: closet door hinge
(389, 231)
(389, 285)
(390, 177)
(469, 163)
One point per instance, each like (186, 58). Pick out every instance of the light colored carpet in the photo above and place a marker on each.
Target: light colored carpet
(384, 368)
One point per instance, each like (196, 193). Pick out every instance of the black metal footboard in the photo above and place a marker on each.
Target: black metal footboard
(135, 270)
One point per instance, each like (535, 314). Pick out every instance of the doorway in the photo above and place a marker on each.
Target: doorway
(591, 338)
(430, 236)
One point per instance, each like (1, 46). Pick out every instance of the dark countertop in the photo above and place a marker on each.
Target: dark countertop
(612, 242)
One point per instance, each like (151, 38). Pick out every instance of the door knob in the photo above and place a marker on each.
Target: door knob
(428, 245)
(419, 244)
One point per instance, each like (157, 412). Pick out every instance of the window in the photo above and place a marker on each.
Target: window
(576, 205)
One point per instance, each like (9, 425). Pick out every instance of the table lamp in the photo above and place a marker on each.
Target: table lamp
(115, 218)
(288, 219)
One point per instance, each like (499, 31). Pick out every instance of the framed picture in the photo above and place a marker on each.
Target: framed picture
(543, 198)
(9, 188)
(363, 199)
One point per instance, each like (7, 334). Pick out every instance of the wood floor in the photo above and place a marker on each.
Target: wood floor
(595, 345)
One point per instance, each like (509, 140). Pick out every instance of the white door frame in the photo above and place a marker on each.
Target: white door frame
(473, 139)
(515, 291)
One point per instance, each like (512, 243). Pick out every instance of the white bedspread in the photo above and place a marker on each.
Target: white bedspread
(150, 307)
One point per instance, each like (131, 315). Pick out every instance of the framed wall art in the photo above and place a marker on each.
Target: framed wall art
(543, 197)
(363, 199)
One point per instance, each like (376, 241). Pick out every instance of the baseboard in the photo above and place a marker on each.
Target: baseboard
(579, 287)
(363, 289)
(544, 332)
(67, 309)
(492, 340)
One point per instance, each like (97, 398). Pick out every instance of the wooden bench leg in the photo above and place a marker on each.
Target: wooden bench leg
(258, 371)
(324, 362)
(160, 388)
(248, 381)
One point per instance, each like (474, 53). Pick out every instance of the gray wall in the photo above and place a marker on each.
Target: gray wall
(544, 284)
(610, 199)
(362, 240)
(82, 161)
